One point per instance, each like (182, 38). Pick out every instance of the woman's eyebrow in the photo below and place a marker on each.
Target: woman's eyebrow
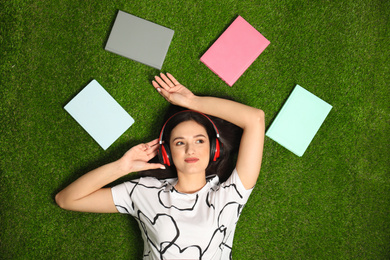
(195, 136)
(199, 135)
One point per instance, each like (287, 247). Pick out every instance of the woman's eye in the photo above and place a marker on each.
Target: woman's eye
(179, 143)
(200, 141)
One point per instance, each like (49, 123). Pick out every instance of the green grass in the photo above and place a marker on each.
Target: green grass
(332, 203)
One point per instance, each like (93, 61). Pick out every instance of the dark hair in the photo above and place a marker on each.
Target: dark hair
(229, 136)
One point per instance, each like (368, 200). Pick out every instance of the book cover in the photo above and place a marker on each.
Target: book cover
(99, 114)
(235, 50)
(140, 40)
(298, 120)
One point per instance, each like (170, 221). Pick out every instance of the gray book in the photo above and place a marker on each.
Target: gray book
(139, 40)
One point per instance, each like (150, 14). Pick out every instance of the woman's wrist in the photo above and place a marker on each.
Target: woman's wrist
(122, 167)
(193, 103)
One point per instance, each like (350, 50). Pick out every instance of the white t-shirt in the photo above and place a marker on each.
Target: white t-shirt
(175, 225)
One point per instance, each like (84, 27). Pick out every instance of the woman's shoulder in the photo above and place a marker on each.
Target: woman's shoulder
(227, 192)
(235, 181)
(215, 181)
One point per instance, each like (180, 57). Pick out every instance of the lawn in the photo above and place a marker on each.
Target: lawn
(331, 203)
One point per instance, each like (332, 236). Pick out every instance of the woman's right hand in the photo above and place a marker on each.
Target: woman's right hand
(174, 92)
(136, 159)
(87, 193)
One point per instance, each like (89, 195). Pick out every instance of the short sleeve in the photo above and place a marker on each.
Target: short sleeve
(121, 195)
(235, 181)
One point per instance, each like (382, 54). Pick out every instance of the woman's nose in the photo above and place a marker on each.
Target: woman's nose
(190, 149)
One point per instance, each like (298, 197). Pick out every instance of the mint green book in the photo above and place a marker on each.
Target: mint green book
(299, 120)
(99, 114)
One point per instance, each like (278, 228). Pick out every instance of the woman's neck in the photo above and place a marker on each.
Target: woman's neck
(190, 183)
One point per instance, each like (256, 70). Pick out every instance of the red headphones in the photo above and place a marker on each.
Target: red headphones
(164, 153)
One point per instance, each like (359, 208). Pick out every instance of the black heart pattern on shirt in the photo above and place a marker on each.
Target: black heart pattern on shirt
(225, 216)
(160, 222)
(233, 189)
(190, 252)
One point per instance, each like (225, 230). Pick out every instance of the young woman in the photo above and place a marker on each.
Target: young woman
(191, 216)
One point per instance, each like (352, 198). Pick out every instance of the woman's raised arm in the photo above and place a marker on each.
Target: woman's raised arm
(250, 119)
(86, 193)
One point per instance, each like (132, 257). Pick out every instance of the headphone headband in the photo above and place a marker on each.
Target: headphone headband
(188, 110)
(164, 153)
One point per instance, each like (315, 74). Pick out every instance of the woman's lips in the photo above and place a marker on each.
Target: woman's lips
(191, 160)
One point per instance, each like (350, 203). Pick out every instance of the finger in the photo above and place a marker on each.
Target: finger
(167, 80)
(160, 90)
(161, 83)
(151, 166)
(153, 142)
(150, 155)
(152, 151)
(145, 147)
(156, 85)
(164, 93)
(172, 78)
(150, 145)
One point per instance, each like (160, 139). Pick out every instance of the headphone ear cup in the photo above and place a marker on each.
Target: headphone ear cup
(160, 155)
(164, 155)
(219, 149)
(216, 147)
(213, 150)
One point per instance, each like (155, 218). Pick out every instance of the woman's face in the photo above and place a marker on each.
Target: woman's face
(190, 148)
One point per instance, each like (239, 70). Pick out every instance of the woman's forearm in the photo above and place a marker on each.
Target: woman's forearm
(234, 112)
(89, 183)
(87, 192)
(251, 120)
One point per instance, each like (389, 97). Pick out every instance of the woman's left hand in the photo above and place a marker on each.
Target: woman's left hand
(172, 90)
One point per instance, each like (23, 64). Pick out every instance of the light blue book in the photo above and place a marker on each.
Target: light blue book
(299, 120)
(99, 114)
(139, 40)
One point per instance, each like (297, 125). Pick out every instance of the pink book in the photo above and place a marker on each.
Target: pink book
(235, 50)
